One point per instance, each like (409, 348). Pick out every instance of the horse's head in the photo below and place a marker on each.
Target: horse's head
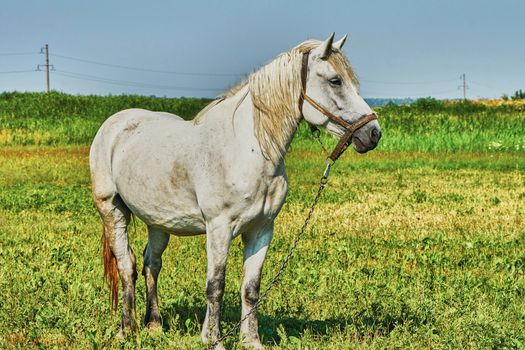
(332, 83)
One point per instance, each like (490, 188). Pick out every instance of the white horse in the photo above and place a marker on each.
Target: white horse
(222, 174)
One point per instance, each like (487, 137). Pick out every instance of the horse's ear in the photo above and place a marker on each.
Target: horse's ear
(339, 44)
(326, 47)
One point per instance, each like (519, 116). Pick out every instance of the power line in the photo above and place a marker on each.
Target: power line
(18, 71)
(148, 69)
(408, 82)
(219, 74)
(18, 53)
(481, 84)
(87, 77)
(105, 80)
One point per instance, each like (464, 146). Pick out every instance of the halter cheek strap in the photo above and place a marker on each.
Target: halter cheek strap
(350, 128)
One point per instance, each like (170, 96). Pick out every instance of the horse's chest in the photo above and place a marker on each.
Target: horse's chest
(275, 196)
(261, 205)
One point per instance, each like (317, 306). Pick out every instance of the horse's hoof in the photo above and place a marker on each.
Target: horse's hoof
(123, 333)
(256, 344)
(120, 334)
(219, 346)
(154, 327)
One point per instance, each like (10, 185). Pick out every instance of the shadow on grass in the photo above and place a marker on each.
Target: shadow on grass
(366, 322)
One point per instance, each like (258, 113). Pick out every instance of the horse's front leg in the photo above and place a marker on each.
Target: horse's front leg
(218, 239)
(255, 247)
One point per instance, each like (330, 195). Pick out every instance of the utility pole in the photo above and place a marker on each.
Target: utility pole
(45, 51)
(464, 86)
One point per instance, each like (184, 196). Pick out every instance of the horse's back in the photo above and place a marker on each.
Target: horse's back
(128, 120)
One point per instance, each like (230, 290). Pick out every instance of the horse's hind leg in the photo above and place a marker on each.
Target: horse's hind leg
(157, 243)
(118, 255)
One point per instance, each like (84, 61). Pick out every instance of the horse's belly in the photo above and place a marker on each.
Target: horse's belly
(174, 211)
(172, 218)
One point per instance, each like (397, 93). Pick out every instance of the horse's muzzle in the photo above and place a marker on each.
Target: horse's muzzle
(367, 138)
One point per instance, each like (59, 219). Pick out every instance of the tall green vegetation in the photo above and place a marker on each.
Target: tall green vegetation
(432, 125)
(56, 105)
(60, 119)
(428, 125)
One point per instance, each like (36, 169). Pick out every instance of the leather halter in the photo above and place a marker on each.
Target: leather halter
(350, 128)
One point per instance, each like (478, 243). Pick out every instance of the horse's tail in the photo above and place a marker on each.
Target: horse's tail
(110, 270)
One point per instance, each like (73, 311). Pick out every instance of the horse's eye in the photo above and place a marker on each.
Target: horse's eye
(335, 81)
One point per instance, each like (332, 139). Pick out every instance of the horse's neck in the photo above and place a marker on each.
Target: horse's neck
(236, 114)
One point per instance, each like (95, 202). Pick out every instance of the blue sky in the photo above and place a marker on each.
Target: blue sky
(403, 48)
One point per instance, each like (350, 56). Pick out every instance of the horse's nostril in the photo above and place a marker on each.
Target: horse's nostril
(375, 135)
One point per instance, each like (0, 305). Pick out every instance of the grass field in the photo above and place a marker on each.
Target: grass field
(419, 244)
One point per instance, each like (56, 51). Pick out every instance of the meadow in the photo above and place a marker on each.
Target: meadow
(417, 244)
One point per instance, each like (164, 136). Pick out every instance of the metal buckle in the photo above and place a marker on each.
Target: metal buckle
(326, 173)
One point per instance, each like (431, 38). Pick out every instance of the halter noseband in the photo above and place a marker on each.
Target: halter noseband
(350, 128)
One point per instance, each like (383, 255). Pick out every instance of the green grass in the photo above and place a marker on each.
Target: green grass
(408, 248)
(399, 255)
